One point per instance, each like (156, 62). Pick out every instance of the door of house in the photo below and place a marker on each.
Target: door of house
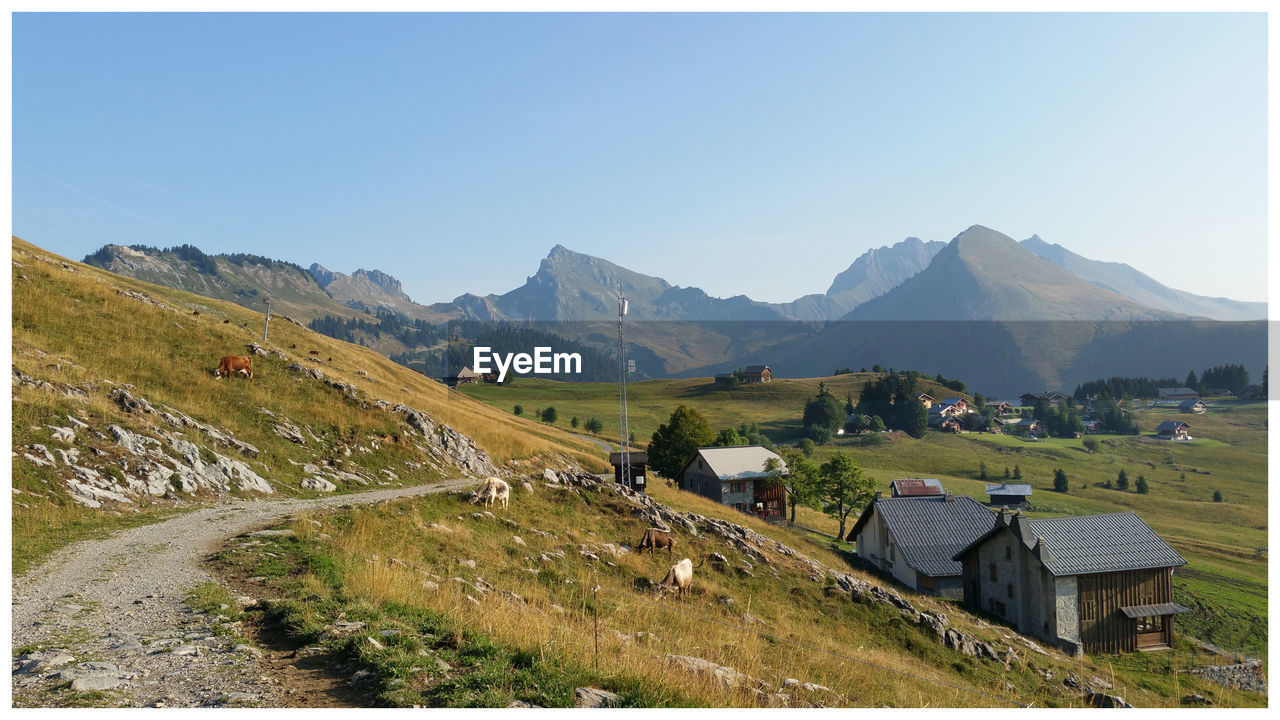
(1151, 632)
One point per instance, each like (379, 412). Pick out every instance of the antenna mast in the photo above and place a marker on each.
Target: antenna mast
(624, 430)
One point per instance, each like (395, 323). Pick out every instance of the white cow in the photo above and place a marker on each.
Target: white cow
(679, 578)
(492, 491)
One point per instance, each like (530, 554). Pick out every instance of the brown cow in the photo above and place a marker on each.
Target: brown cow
(654, 539)
(242, 364)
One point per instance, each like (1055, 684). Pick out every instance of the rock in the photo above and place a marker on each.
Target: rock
(522, 704)
(528, 486)
(790, 683)
(96, 682)
(518, 540)
(1102, 700)
(41, 661)
(1196, 699)
(726, 600)
(282, 532)
(812, 687)
(467, 563)
(718, 559)
(63, 434)
(257, 349)
(290, 432)
(936, 623)
(430, 586)
(187, 650)
(236, 696)
(388, 634)
(86, 669)
(726, 676)
(318, 484)
(373, 643)
(589, 697)
(1242, 676)
(248, 649)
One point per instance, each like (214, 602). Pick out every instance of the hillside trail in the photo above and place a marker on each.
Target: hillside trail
(110, 615)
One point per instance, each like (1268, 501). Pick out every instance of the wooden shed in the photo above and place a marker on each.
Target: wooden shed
(636, 461)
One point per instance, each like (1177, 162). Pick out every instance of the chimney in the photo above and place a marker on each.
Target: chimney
(950, 498)
(879, 494)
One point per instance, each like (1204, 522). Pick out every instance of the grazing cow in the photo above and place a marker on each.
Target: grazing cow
(679, 578)
(329, 360)
(313, 352)
(235, 363)
(654, 539)
(195, 312)
(226, 322)
(294, 345)
(492, 491)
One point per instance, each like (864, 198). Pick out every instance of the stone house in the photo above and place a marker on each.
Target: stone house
(1091, 583)
(912, 539)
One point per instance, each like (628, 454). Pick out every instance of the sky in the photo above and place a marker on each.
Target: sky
(742, 154)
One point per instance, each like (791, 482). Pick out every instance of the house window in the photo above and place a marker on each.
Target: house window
(991, 570)
(1088, 611)
(1148, 625)
(998, 606)
(1008, 553)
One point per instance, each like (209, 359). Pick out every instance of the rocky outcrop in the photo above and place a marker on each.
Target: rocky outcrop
(1247, 676)
(448, 444)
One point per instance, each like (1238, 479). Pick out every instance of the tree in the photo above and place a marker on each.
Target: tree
(823, 415)
(1122, 480)
(1059, 481)
(1091, 444)
(842, 488)
(909, 414)
(1141, 485)
(800, 480)
(1006, 472)
(806, 446)
(593, 425)
(676, 440)
(518, 409)
(1217, 496)
(1192, 382)
(729, 437)
(573, 422)
(1017, 473)
(982, 470)
(877, 425)
(549, 415)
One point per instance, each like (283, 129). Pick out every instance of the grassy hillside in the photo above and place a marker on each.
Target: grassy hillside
(1224, 543)
(774, 406)
(513, 619)
(72, 328)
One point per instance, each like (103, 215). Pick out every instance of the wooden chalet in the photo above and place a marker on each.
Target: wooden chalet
(1173, 430)
(1195, 407)
(637, 463)
(1091, 583)
(1027, 426)
(958, 404)
(757, 374)
(467, 376)
(1001, 408)
(926, 399)
(913, 538)
(1054, 398)
(736, 476)
(1177, 394)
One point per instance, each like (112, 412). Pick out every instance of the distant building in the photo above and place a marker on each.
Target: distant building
(736, 476)
(637, 462)
(926, 399)
(466, 376)
(1053, 398)
(1177, 394)
(916, 487)
(1006, 495)
(1091, 583)
(1173, 430)
(1192, 406)
(1001, 408)
(1027, 426)
(757, 374)
(958, 404)
(913, 539)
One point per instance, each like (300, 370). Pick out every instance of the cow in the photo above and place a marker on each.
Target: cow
(679, 578)
(492, 491)
(313, 352)
(242, 364)
(226, 322)
(655, 538)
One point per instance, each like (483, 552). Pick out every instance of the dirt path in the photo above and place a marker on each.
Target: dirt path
(108, 616)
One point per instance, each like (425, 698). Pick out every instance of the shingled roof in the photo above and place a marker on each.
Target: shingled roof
(1087, 544)
(929, 530)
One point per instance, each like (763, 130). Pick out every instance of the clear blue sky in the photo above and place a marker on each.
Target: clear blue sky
(755, 154)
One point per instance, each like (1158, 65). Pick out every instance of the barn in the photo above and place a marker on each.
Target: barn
(1086, 583)
(737, 477)
(1006, 495)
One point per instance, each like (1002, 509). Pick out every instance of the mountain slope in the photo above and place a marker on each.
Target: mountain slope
(1125, 280)
(985, 275)
(246, 280)
(132, 362)
(371, 291)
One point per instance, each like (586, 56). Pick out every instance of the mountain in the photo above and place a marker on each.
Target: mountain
(371, 290)
(985, 275)
(1125, 280)
(243, 279)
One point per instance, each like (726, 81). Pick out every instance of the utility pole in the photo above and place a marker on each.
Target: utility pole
(624, 431)
(267, 323)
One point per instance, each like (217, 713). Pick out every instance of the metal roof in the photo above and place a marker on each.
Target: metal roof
(917, 486)
(929, 530)
(1007, 489)
(1174, 392)
(1087, 544)
(636, 457)
(1137, 611)
(742, 462)
(1170, 425)
(755, 368)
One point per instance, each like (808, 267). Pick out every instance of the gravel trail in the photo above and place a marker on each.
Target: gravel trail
(109, 615)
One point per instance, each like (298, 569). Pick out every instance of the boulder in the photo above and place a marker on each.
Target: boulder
(589, 697)
(318, 484)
